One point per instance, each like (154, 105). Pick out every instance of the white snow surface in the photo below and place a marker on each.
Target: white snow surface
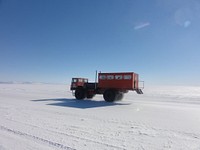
(46, 116)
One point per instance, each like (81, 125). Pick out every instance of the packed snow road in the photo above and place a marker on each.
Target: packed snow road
(46, 116)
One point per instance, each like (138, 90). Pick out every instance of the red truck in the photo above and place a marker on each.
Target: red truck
(111, 85)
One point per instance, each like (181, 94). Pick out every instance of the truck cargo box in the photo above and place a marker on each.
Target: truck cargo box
(123, 80)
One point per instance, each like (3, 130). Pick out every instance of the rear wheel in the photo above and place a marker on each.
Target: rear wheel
(80, 93)
(109, 95)
(119, 96)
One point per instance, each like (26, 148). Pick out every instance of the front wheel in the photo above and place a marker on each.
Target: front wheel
(80, 93)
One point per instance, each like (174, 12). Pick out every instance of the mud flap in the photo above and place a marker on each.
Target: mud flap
(139, 91)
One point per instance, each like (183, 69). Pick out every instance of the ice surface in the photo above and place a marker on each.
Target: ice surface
(45, 116)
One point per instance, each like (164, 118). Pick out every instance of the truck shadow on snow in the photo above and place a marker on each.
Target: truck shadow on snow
(82, 104)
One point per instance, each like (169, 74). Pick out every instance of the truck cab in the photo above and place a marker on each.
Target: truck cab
(78, 82)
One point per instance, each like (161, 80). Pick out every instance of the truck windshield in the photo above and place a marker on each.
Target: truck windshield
(74, 80)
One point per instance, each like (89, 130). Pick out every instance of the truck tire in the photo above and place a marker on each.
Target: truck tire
(119, 96)
(80, 94)
(109, 95)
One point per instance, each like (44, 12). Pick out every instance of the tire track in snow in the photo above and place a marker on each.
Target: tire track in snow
(128, 127)
(78, 137)
(89, 140)
(58, 145)
(54, 144)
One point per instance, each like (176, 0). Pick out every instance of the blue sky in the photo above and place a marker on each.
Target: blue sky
(54, 40)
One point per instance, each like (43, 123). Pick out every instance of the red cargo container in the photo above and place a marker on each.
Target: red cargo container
(124, 80)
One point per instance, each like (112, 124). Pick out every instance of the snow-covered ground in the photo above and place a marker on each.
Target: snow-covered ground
(46, 116)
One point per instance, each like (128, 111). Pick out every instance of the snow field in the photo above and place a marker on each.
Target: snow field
(46, 116)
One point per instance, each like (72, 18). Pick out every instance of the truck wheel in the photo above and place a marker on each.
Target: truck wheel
(109, 95)
(80, 93)
(119, 96)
